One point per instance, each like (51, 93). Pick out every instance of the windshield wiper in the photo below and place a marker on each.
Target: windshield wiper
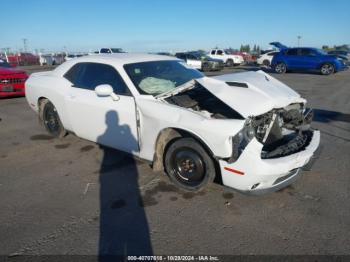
(187, 85)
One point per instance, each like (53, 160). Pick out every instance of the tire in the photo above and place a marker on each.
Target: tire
(188, 165)
(327, 69)
(229, 63)
(266, 63)
(50, 119)
(280, 68)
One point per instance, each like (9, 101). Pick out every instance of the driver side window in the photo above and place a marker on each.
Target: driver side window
(89, 75)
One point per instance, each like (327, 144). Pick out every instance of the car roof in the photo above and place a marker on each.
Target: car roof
(116, 59)
(123, 58)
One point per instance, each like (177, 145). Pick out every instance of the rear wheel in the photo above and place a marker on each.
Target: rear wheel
(280, 68)
(327, 69)
(266, 63)
(51, 120)
(188, 165)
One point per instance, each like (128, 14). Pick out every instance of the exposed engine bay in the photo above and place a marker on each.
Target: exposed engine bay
(201, 100)
(283, 131)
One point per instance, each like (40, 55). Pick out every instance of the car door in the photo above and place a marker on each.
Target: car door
(101, 119)
(308, 59)
(291, 58)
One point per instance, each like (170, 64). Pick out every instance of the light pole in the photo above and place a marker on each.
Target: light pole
(299, 37)
(25, 44)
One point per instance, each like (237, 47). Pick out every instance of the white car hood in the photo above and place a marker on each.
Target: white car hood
(263, 93)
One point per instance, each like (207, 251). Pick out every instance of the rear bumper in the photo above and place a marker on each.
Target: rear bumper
(253, 175)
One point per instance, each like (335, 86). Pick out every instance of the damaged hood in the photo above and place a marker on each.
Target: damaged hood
(251, 93)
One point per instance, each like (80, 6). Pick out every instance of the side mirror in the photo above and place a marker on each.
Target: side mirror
(106, 90)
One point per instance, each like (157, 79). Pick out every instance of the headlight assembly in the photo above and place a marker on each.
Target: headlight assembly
(241, 140)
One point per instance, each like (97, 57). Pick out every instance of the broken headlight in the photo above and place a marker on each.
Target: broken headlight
(241, 140)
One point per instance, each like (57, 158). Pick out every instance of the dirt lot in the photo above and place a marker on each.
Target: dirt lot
(70, 196)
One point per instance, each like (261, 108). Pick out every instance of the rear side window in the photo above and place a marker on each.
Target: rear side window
(181, 56)
(89, 75)
(272, 53)
(213, 52)
(219, 52)
(105, 51)
(189, 56)
(72, 73)
(305, 52)
(292, 51)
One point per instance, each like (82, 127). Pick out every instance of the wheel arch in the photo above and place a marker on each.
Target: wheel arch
(59, 107)
(328, 62)
(169, 135)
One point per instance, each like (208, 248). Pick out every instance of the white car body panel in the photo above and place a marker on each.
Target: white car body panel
(144, 117)
(264, 171)
(196, 64)
(263, 93)
(114, 130)
(267, 56)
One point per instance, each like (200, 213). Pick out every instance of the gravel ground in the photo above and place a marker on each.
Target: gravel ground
(70, 196)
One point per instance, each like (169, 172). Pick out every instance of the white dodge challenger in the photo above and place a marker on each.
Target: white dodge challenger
(247, 129)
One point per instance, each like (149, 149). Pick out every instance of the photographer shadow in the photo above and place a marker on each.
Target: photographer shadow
(123, 224)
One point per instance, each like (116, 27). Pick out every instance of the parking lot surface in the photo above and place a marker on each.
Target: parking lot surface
(70, 196)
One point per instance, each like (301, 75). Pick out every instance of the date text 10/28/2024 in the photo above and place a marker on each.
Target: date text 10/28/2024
(173, 258)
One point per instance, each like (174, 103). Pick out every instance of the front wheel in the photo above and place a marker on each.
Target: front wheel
(327, 69)
(51, 120)
(229, 63)
(188, 165)
(280, 68)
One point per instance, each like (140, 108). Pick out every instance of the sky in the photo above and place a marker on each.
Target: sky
(171, 25)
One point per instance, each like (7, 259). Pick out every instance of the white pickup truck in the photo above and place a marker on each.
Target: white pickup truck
(227, 58)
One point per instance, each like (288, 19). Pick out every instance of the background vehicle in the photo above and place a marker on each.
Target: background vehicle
(246, 56)
(11, 80)
(22, 59)
(228, 59)
(306, 59)
(345, 55)
(265, 59)
(111, 50)
(201, 61)
(255, 129)
(71, 56)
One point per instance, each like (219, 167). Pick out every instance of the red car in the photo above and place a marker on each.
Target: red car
(11, 80)
(23, 59)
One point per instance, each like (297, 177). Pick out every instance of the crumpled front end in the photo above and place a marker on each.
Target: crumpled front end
(272, 148)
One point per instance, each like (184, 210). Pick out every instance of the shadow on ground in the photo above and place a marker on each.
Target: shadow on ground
(123, 224)
(326, 116)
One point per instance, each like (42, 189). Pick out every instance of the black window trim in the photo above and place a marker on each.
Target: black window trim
(116, 70)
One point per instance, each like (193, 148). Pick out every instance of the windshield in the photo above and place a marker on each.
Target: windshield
(4, 64)
(117, 50)
(321, 52)
(158, 77)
